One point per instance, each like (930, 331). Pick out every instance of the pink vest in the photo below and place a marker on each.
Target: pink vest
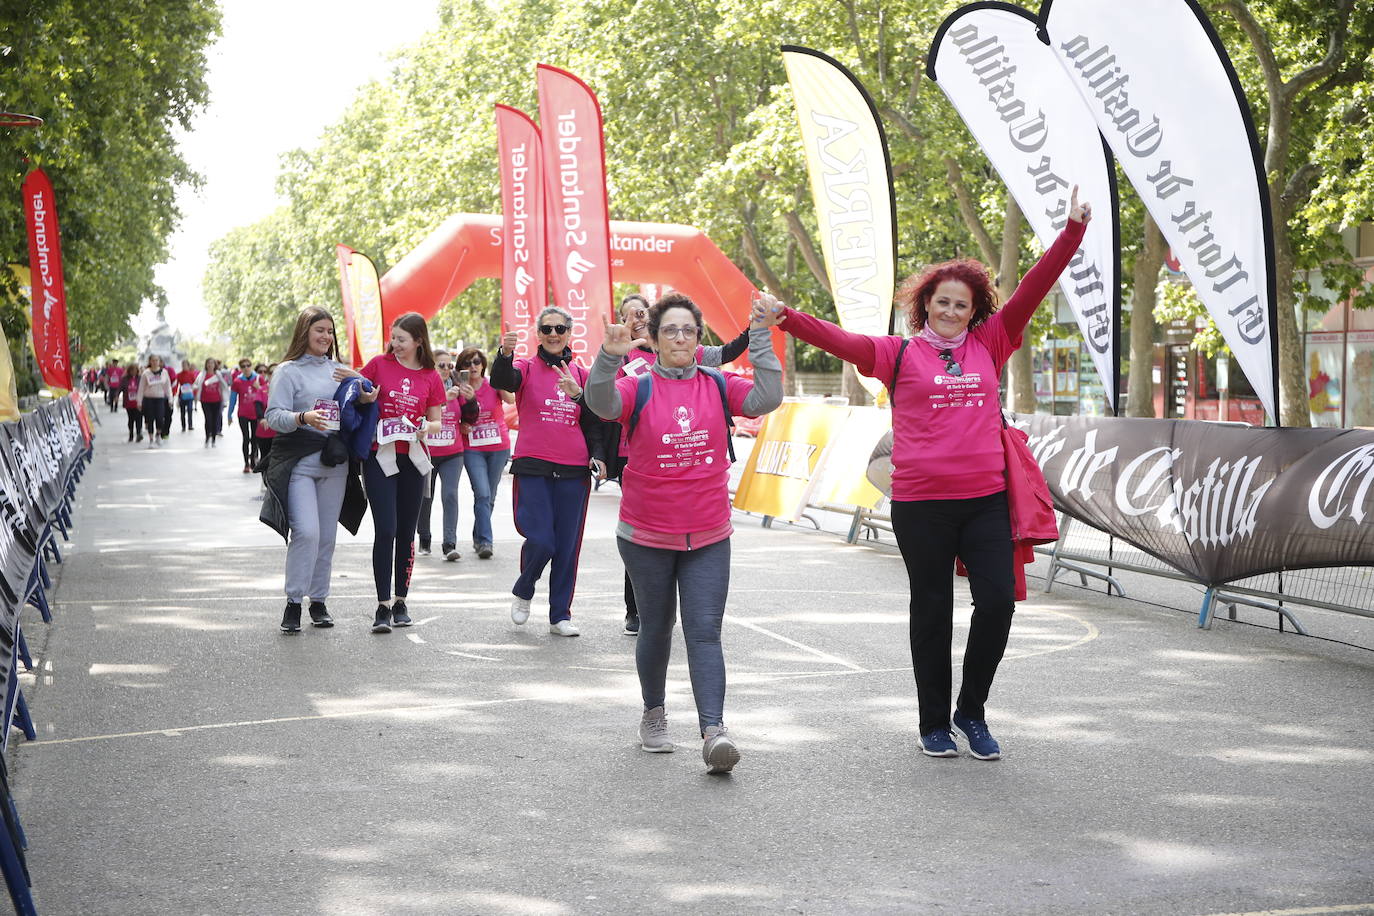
(678, 477)
(489, 433)
(548, 417)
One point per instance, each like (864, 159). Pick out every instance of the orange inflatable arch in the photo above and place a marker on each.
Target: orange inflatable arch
(468, 247)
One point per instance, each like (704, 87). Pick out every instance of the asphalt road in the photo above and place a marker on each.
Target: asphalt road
(192, 759)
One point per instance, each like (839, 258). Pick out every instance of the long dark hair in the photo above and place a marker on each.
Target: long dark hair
(413, 323)
(300, 336)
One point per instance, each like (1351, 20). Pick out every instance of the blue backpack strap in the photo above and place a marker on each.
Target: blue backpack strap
(719, 378)
(642, 391)
(896, 367)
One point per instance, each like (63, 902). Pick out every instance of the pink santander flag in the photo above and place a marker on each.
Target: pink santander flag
(578, 216)
(49, 293)
(524, 280)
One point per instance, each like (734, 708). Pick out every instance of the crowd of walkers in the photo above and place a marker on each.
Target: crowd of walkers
(651, 411)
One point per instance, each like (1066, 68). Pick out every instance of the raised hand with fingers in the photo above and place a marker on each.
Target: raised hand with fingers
(766, 310)
(509, 340)
(617, 339)
(566, 381)
(1079, 213)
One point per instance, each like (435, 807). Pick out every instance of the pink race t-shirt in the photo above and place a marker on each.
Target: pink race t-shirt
(405, 392)
(212, 388)
(549, 427)
(449, 439)
(247, 390)
(678, 476)
(488, 433)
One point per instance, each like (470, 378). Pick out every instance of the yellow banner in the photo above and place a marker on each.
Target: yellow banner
(367, 305)
(844, 480)
(787, 454)
(851, 184)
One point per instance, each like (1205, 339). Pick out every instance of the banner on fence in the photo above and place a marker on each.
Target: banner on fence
(782, 468)
(48, 305)
(1157, 80)
(1217, 503)
(1035, 130)
(843, 477)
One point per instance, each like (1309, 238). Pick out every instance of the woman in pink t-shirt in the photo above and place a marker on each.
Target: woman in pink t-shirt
(560, 445)
(674, 530)
(411, 405)
(948, 470)
(486, 447)
(446, 456)
(210, 391)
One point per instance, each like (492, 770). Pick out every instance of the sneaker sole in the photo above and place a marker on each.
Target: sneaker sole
(398, 623)
(484, 554)
(950, 753)
(450, 557)
(657, 750)
(322, 624)
(723, 758)
(996, 756)
(290, 629)
(384, 628)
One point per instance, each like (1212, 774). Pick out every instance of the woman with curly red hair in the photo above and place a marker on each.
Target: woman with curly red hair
(948, 471)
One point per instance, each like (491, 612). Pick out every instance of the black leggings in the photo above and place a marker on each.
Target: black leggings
(250, 450)
(135, 422)
(395, 506)
(931, 533)
(187, 408)
(154, 410)
(213, 418)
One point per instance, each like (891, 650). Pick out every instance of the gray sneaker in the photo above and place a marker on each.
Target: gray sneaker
(718, 750)
(653, 732)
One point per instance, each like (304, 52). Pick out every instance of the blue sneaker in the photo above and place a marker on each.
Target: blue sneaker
(939, 743)
(981, 744)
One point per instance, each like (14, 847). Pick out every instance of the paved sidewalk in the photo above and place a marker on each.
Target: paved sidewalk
(194, 760)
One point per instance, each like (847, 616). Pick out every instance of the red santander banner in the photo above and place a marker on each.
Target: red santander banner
(578, 220)
(49, 294)
(524, 283)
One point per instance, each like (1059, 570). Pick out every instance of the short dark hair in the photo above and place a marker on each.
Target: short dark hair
(470, 354)
(673, 300)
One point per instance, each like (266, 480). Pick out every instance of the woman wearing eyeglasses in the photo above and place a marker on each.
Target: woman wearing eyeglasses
(948, 471)
(559, 446)
(674, 530)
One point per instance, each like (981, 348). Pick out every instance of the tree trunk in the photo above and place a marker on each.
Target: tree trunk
(1140, 393)
(1293, 406)
(1020, 384)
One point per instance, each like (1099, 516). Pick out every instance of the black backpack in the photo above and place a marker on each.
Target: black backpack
(645, 388)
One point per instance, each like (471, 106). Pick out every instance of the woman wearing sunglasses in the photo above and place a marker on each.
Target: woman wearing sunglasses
(559, 446)
(674, 530)
(446, 457)
(486, 449)
(948, 470)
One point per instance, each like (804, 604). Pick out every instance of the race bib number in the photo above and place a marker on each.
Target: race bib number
(484, 434)
(328, 410)
(636, 367)
(394, 429)
(447, 434)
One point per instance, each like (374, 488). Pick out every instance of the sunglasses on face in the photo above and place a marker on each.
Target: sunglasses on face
(676, 333)
(554, 329)
(471, 364)
(444, 365)
(952, 367)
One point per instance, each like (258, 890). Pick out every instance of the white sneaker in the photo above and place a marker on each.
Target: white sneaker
(564, 628)
(718, 751)
(519, 610)
(653, 732)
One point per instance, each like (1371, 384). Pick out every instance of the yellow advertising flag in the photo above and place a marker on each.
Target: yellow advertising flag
(844, 479)
(9, 395)
(787, 455)
(367, 305)
(851, 184)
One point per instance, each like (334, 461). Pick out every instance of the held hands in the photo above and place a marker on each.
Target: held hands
(567, 382)
(617, 339)
(766, 310)
(1079, 213)
(509, 340)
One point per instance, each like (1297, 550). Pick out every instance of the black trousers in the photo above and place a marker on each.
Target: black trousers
(394, 503)
(135, 422)
(187, 408)
(250, 446)
(930, 534)
(154, 412)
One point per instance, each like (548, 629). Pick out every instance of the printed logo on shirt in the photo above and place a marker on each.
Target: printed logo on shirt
(687, 447)
(958, 390)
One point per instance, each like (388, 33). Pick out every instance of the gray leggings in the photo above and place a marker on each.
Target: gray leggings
(702, 579)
